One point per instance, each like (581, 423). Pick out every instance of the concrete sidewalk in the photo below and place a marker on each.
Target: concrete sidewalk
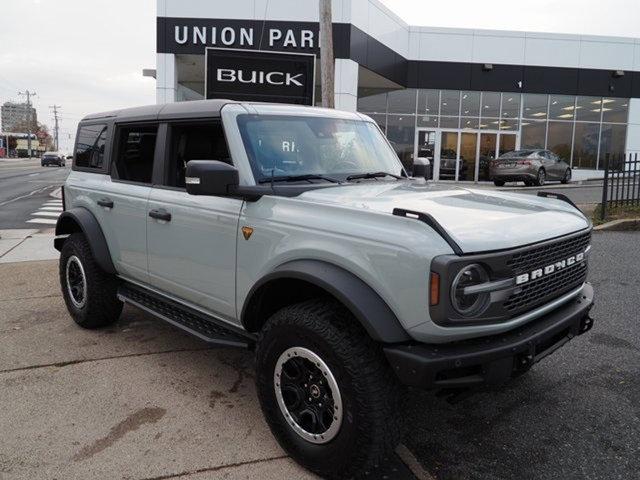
(138, 400)
(21, 245)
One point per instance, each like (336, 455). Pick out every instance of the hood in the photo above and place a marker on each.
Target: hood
(478, 220)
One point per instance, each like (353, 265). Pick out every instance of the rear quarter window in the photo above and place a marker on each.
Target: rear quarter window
(90, 145)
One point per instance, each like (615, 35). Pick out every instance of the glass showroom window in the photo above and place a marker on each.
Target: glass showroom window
(372, 101)
(401, 133)
(533, 134)
(428, 121)
(535, 106)
(429, 102)
(490, 106)
(612, 144)
(559, 139)
(615, 110)
(585, 145)
(402, 101)
(588, 109)
(510, 105)
(561, 107)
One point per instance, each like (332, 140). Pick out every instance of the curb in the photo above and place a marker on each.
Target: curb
(621, 225)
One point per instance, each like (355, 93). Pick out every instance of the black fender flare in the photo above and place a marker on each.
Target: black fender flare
(360, 299)
(82, 218)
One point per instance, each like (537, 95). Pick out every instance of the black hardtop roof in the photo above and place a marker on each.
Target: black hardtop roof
(176, 110)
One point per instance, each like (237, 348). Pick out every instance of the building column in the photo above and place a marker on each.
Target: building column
(166, 78)
(633, 128)
(346, 84)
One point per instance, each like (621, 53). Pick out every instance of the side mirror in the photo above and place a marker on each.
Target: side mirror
(422, 168)
(210, 177)
(69, 157)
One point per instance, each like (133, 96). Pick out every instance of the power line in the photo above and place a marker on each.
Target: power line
(56, 127)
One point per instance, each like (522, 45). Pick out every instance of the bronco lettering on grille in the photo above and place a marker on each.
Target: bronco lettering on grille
(549, 269)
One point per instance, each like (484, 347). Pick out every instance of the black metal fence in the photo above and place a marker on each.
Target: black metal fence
(621, 181)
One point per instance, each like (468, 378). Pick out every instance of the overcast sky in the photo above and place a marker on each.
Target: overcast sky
(88, 55)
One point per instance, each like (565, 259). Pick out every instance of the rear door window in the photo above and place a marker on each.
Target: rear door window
(90, 146)
(136, 149)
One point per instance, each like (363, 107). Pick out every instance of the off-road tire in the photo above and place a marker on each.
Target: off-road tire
(541, 177)
(371, 395)
(567, 177)
(101, 306)
(498, 183)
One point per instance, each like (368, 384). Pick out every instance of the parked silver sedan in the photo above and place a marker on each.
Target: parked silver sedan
(533, 167)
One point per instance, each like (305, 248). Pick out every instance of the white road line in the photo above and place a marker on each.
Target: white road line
(41, 213)
(33, 174)
(51, 209)
(46, 221)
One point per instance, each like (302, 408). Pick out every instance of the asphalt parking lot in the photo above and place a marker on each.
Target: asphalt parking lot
(141, 400)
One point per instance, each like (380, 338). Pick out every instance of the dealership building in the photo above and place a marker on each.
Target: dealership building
(447, 94)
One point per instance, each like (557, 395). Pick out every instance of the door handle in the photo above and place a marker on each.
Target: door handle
(105, 202)
(160, 214)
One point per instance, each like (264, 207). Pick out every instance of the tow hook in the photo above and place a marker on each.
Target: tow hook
(586, 324)
(523, 363)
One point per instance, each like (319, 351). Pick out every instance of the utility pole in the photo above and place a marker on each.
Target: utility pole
(326, 55)
(55, 118)
(28, 94)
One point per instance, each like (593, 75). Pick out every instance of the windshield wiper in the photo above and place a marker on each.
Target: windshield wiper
(373, 175)
(296, 178)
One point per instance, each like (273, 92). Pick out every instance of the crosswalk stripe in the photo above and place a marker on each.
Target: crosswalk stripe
(46, 221)
(51, 209)
(40, 213)
(53, 204)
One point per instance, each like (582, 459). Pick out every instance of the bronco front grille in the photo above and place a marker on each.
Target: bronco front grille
(546, 288)
(548, 253)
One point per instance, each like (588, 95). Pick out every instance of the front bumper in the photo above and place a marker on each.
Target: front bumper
(495, 359)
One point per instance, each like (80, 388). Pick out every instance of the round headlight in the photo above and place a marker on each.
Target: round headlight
(474, 303)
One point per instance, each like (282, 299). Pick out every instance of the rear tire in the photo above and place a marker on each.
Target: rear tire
(90, 293)
(541, 177)
(567, 177)
(366, 404)
(498, 183)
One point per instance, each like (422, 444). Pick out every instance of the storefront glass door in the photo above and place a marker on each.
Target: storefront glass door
(462, 155)
(448, 155)
(507, 143)
(467, 164)
(486, 153)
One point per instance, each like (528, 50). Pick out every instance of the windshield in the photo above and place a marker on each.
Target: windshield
(283, 145)
(518, 153)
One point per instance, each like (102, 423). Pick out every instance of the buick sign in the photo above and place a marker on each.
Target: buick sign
(251, 75)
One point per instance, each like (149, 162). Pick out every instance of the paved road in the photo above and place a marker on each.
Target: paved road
(25, 187)
(575, 415)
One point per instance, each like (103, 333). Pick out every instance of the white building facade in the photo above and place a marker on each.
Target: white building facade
(448, 94)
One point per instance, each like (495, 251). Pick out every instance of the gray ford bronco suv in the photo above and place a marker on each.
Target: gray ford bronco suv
(297, 232)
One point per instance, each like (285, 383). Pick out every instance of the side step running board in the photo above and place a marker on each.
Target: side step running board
(201, 325)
